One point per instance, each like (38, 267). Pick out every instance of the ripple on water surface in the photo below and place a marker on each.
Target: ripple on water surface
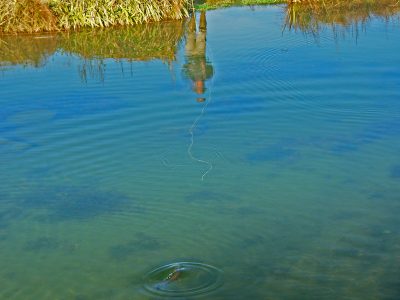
(183, 279)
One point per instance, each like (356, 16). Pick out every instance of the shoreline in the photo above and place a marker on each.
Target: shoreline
(49, 16)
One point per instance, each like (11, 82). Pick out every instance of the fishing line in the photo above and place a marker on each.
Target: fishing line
(194, 125)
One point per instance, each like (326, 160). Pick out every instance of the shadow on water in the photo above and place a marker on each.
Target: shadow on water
(135, 43)
(208, 197)
(9, 215)
(272, 153)
(142, 242)
(75, 203)
(372, 133)
(49, 244)
(395, 172)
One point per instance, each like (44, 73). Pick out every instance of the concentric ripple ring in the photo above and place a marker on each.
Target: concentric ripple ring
(183, 279)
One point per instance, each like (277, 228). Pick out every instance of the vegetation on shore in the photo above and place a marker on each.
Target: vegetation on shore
(26, 16)
(104, 13)
(32, 16)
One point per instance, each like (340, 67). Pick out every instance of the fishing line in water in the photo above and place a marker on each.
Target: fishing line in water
(194, 125)
(191, 132)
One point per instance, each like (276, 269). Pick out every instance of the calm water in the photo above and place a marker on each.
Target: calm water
(284, 182)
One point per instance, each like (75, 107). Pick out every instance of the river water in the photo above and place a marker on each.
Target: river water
(247, 160)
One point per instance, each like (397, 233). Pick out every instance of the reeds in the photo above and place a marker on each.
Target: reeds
(103, 13)
(52, 15)
(309, 15)
(25, 16)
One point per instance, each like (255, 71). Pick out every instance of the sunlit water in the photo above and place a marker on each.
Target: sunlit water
(286, 179)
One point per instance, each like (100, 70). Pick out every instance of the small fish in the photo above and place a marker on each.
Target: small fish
(171, 277)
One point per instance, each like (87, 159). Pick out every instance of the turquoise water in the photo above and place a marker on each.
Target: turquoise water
(284, 183)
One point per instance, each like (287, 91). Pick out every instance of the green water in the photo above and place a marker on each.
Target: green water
(285, 179)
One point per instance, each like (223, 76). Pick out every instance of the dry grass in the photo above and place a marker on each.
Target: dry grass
(50, 15)
(25, 16)
(72, 14)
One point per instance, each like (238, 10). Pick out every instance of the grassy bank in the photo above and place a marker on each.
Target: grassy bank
(51, 15)
(26, 16)
(104, 13)
(56, 15)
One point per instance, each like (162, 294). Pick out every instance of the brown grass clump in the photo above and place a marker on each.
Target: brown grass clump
(25, 16)
(103, 13)
(50, 15)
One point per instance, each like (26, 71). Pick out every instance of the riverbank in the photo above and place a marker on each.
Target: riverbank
(33, 16)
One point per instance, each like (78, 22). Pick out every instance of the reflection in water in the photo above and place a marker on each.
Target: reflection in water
(134, 43)
(140, 43)
(309, 15)
(197, 68)
(26, 49)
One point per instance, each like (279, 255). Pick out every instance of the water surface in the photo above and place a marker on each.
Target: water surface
(279, 165)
